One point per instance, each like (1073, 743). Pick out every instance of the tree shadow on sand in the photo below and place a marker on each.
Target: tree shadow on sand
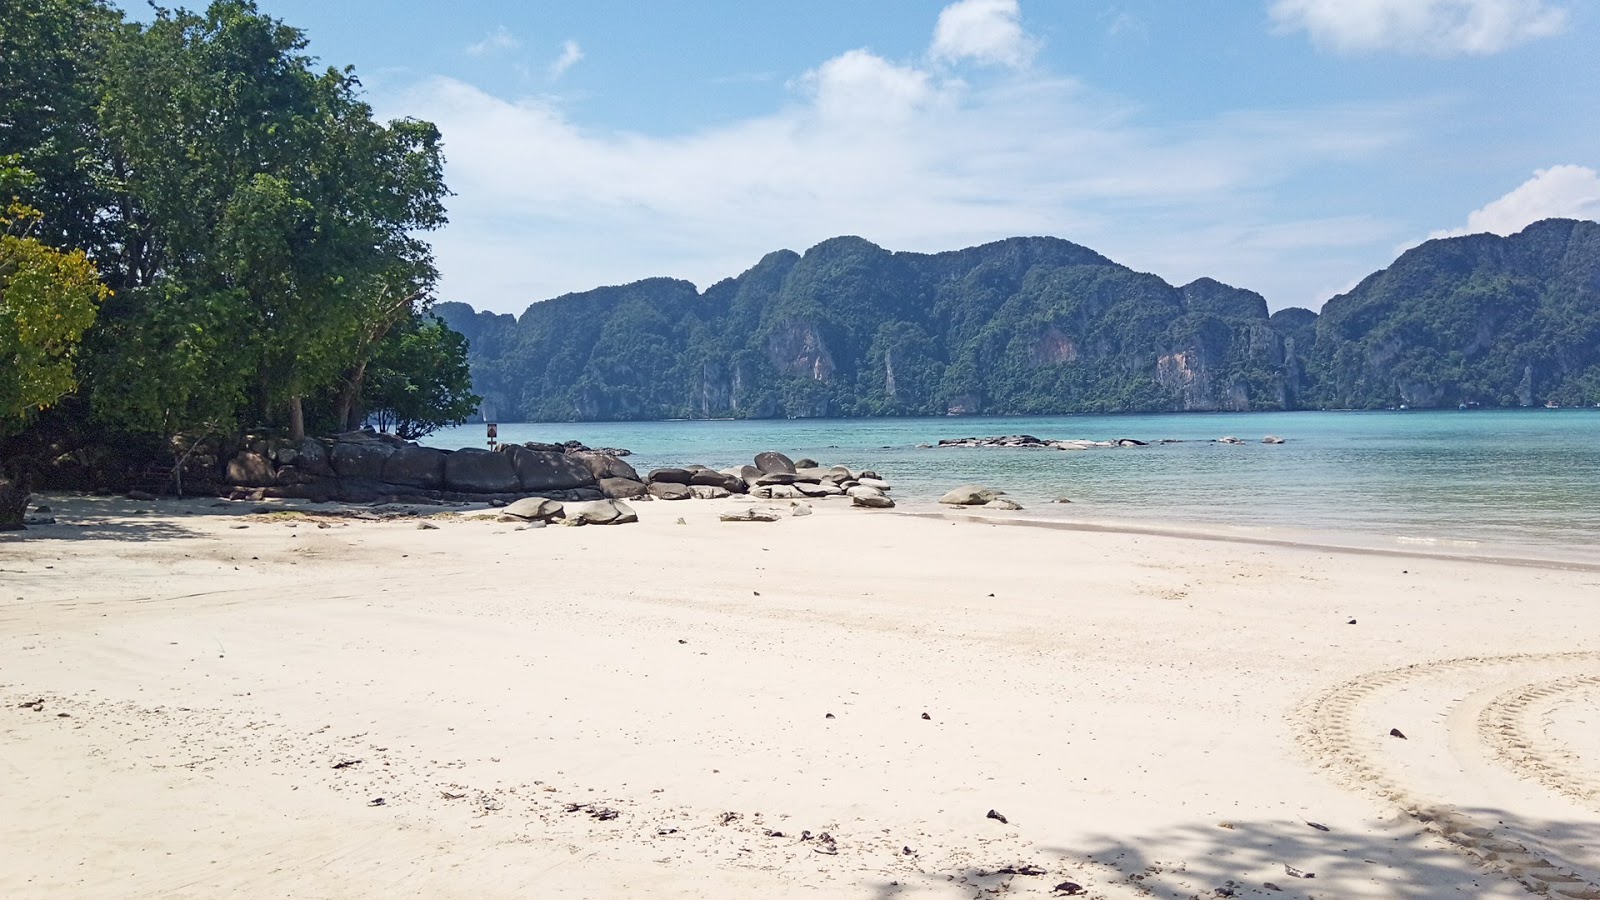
(1298, 860)
(89, 518)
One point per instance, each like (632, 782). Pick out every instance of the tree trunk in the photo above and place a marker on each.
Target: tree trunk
(297, 419)
(345, 407)
(13, 501)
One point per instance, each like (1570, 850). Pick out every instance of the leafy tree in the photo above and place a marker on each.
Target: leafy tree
(48, 298)
(267, 204)
(419, 380)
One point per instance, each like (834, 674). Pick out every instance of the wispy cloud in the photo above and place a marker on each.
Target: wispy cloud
(571, 55)
(1431, 27)
(499, 40)
(1564, 192)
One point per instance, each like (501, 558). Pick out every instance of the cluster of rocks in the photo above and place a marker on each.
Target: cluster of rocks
(978, 495)
(773, 476)
(365, 467)
(1028, 441)
(540, 511)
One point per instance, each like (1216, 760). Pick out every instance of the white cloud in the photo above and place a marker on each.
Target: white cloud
(571, 55)
(859, 84)
(1433, 27)
(904, 155)
(1559, 192)
(495, 41)
(984, 31)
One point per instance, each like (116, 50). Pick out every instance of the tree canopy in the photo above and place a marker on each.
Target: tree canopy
(260, 229)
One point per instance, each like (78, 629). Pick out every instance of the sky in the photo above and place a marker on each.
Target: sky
(1287, 146)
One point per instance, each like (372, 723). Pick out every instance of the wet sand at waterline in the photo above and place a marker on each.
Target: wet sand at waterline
(827, 706)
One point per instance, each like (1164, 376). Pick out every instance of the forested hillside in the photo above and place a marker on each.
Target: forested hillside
(1040, 325)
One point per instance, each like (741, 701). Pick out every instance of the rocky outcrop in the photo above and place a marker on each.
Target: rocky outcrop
(365, 466)
(476, 471)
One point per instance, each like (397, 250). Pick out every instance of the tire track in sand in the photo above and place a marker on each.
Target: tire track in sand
(1331, 728)
(1509, 726)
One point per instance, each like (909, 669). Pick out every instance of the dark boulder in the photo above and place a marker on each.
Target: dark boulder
(669, 476)
(251, 469)
(360, 459)
(669, 490)
(477, 471)
(621, 488)
(542, 470)
(415, 466)
(311, 456)
(604, 465)
(772, 461)
(710, 478)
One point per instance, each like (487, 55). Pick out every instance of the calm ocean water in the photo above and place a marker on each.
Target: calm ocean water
(1473, 481)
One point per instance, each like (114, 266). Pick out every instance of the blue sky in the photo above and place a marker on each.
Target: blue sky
(1288, 146)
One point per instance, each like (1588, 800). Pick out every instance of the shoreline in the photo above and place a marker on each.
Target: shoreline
(1546, 555)
(1328, 541)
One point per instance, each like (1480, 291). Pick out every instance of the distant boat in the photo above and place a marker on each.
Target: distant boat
(1551, 404)
(1461, 406)
(1404, 407)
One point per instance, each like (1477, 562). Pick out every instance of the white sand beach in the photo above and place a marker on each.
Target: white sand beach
(828, 706)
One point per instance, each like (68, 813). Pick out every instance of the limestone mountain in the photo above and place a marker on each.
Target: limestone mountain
(1042, 325)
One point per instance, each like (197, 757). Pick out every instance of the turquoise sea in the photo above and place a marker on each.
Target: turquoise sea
(1507, 482)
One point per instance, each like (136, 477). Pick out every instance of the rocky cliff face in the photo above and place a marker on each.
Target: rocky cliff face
(1477, 320)
(1039, 325)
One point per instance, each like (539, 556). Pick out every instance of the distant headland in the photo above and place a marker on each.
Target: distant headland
(1037, 325)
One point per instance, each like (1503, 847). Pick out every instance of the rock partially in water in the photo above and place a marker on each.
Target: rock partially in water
(970, 495)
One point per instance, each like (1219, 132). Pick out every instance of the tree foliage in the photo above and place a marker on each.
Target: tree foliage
(48, 299)
(419, 380)
(260, 228)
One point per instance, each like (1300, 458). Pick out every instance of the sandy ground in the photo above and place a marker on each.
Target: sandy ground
(828, 706)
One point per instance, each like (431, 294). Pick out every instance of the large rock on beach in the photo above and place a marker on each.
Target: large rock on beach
(605, 465)
(415, 466)
(873, 482)
(599, 512)
(669, 475)
(771, 461)
(970, 495)
(361, 459)
(622, 488)
(710, 478)
(709, 492)
(534, 509)
(476, 471)
(778, 478)
(542, 470)
(874, 500)
(1003, 503)
(670, 490)
(311, 456)
(251, 469)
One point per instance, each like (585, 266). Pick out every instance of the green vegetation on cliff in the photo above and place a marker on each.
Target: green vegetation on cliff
(1040, 325)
